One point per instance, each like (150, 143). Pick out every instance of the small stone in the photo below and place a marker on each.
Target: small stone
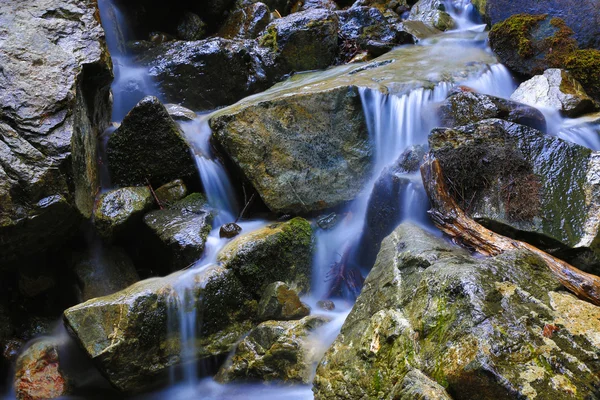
(326, 305)
(281, 303)
(230, 230)
(179, 113)
(119, 209)
(171, 192)
(38, 373)
(328, 221)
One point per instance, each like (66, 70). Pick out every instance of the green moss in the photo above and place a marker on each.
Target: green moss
(269, 39)
(517, 29)
(584, 65)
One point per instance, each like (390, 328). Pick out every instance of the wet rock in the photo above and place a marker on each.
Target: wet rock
(582, 16)
(191, 27)
(181, 230)
(279, 302)
(397, 6)
(304, 5)
(102, 271)
(278, 252)
(275, 350)
(149, 147)
(466, 107)
(522, 183)
(230, 230)
(463, 322)
(55, 102)
(180, 113)
(328, 221)
(171, 192)
(417, 386)
(134, 337)
(38, 372)
(206, 74)
(120, 210)
(555, 89)
(432, 13)
(246, 22)
(369, 27)
(319, 162)
(419, 30)
(326, 305)
(303, 41)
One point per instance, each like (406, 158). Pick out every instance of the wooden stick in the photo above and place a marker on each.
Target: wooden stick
(154, 194)
(451, 219)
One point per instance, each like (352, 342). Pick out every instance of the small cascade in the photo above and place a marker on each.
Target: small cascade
(465, 14)
(496, 81)
(576, 130)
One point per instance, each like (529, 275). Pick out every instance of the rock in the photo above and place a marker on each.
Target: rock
(522, 183)
(36, 279)
(463, 322)
(279, 302)
(206, 74)
(326, 305)
(38, 372)
(134, 337)
(582, 16)
(466, 107)
(432, 13)
(54, 102)
(328, 221)
(555, 89)
(149, 147)
(102, 271)
(304, 5)
(230, 230)
(278, 252)
(10, 349)
(303, 41)
(181, 230)
(417, 386)
(180, 113)
(397, 6)
(120, 210)
(191, 27)
(319, 151)
(275, 350)
(419, 30)
(171, 192)
(246, 22)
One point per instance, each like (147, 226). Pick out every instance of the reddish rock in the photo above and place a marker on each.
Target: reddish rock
(38, 373)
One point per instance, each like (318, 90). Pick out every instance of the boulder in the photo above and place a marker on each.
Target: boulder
(303, 41)
(180, 230)
(417, 386)
(171, 192)
(191, 27)
(103, 270)
(149, 148)
(489, 328)
(432, 13)
(275, 350)
(466, 107)
(38, 372)
(206, 74)
(305, 146)
(555, 89)
(246, 22)
(522, 183)
(54, 102)
(119, 211)
(279, 302)
(418, 30)
(278, 252)
(581, 16)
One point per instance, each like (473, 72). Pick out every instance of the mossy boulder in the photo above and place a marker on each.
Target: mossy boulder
(432, 13)
(489, 328)
(555, 89)
(281, 303)
(180, 230)
(275, 350)
(149, 147)
(118, 211)
(277, 252)
(522, 183)
(171, 192)
(465, 107)
(303, 41)
(246, 22)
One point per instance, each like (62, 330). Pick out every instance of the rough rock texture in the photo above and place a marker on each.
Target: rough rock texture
(432, 13)
(418, 30)
(556, 89)
(417, 386)
(181, 230)
(149, 147)
(205, 74)
(466, 107)
(278, 252)
(102, 271)
(523, 183)
(488, 328)
(582, 16)
(119, 210)
(171, 192)
(279, 302)
(275, 350)
(304, 145)
(246, 22)
(54, 101)
(303, 41)
(180, 113)
(191, 27)
(304, 5)
(38, 374)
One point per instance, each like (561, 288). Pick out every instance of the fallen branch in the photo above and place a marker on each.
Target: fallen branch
(451, 219)
(154, 194)
(342, 274)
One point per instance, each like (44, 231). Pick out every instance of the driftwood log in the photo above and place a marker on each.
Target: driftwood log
(452, 220)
